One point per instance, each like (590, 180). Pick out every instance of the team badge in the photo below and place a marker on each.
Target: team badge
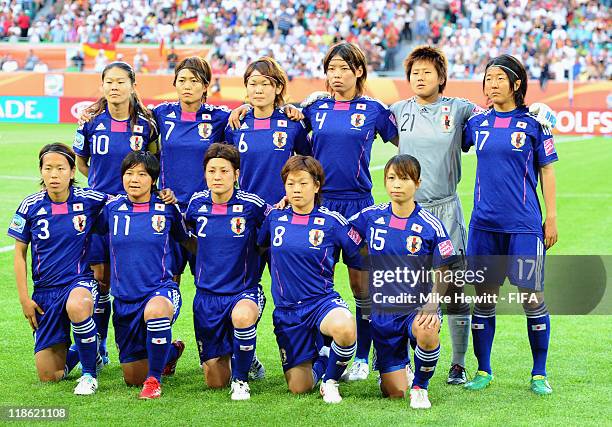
(138, 128)
(238, 225)
(446, 121)
(79, 222)
(158, 222)
(279, 139)
(205, 129)
(413, 244)
(136, 142)
(517, 139)
(357, 120)
(315, 237)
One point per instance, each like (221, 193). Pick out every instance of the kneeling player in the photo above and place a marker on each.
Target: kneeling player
(58, 222)
(399, 230)
(229, 299)
(146, 300)
(304, 241)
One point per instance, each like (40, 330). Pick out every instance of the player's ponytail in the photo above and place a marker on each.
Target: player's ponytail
(515, 71)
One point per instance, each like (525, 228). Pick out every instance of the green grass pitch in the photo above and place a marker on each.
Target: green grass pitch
(579, 364)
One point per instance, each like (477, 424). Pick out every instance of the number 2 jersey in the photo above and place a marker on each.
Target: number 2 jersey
(511, 147)
(184, 139)
(58, 233)
(105, 142)
(265, 145)
(227, 261)
(141, 247)
(304, 250)
(342, 136)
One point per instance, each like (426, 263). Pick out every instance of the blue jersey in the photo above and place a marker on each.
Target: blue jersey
(105, 142)
(141, 247)
(184, 139)
(265, 145)
(342, 138)
(511, 148)
(227, 261)
(58, 233)
(304, 250)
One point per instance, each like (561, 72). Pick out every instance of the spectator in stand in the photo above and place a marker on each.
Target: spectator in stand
(23, 21)
(31, 61)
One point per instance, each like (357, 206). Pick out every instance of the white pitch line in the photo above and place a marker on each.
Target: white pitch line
(6, 249)
(19, 178)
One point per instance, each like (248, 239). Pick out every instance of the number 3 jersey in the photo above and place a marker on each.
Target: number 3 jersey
(304, 250)
(58, 233)
(141, 244)
(227, 261)
(511, 148)
(106, 142)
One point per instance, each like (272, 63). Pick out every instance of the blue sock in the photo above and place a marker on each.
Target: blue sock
(101, 316)
(538, 330)
(243, 351)
(172, 353)
(86, 341)
(424, 366)
(319, 365)
(159, 341)
(72, 359)
(483, 332)
(363, 308)
(339, 357)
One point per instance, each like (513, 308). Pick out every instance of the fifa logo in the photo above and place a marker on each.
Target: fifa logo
(279, 139)
(413, 244)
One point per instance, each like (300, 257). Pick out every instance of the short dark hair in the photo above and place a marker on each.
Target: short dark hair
(354, 57)
(148, 160)
(223, 151)
(57, 147)
(200, 69)
(429, 54)
(515, 71)
(308, 164)
(405, 166)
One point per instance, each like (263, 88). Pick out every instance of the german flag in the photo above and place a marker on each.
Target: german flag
(91, 50)
(188, 24)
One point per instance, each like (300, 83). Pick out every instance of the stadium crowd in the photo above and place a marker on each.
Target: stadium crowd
(553, 39)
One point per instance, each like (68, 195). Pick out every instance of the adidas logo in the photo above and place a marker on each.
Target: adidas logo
(101, 127)
(380, 220)
(324, 105)
(172, 115)
(485, 123)
(123, 207)
(283, 218)
(203, 209)
(41, 211)
(244, 126)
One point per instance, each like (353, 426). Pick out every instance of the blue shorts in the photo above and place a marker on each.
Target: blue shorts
(98, 252)
(520, 257)
(130, 327)
(54, 325)
(212, 320)
(347, 208)
(391, 334)
(296, 329)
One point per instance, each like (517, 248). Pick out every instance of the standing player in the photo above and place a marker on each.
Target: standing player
(402, 233)
(343, 131)
(512, 150)
(118, 124)
(265, 138)
(58, 221)
(430, 128)
(229, 299)
(146, 302)
(304, 241)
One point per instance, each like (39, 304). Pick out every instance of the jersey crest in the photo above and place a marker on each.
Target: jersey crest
(446, 122)
(158, 222)
(205, 130)
(279, 139)
(358, 119)
(136, 142)
(517, 139)
(79, 222)
(315, 237)
(238, 225)
(413, 244)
